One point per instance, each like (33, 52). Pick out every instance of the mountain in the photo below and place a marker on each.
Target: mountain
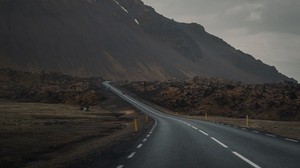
(117, 39)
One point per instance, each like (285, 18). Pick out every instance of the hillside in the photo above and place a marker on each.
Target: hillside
(117, 39)
(219, 97)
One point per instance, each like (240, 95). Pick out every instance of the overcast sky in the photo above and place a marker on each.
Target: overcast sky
(267, 29)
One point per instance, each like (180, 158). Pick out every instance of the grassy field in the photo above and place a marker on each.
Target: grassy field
(36, 134)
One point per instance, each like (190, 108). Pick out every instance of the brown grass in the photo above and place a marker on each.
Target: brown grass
(35, 134)
(281, 128)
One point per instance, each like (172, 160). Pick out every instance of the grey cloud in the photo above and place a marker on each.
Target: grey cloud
(263, 16)
(282, 16)
(255, 15)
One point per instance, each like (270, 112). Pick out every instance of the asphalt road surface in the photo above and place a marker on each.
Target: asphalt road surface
(176, 142)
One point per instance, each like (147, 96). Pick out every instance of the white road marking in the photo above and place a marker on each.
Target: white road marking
(139, 146)
(120, 166)
(203, 132)
(144, 140)
(131, 155)
(148, 135)
(195, 128)
(116, 2)
(151, 110)
(244, 129)
(225, 146)
(292, 140)
(189, 124)
(270, 135)
(255, 132)
(125, 10)
(246, 160)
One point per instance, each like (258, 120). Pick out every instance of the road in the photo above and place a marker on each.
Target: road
(176, 142)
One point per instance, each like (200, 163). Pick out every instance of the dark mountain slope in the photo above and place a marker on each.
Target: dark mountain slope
(121, 39)
(213, 56)
(81, 38)
(222, 55)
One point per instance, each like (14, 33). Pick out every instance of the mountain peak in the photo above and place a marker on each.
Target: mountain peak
(117, 39)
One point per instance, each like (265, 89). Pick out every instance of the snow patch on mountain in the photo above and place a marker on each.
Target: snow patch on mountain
(137, 22)
(117, 2)
(122, 7)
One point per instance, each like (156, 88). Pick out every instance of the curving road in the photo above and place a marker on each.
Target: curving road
(176, 142)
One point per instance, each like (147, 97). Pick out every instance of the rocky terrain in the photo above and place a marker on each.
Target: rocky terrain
(50, 88)
(117, 39)
(221, 97)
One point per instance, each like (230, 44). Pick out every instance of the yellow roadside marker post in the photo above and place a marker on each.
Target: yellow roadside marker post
(135, 125)
(147, 118)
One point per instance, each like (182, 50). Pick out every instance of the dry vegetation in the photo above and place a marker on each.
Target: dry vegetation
(34, 132)
(267, 105)
(50, 88)
(282, 128)
(219, 97)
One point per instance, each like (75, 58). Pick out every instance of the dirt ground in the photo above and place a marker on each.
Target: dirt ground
(37, 134)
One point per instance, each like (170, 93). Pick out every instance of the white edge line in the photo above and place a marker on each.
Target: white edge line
(270, 135)
(292, 140)
(124, 9)
(219, 142)
(255, 132)
(131, 155)
(203, 132)
(116, 2)
(246, 160)
(120, 166)
(144, 140)
(139, 146)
